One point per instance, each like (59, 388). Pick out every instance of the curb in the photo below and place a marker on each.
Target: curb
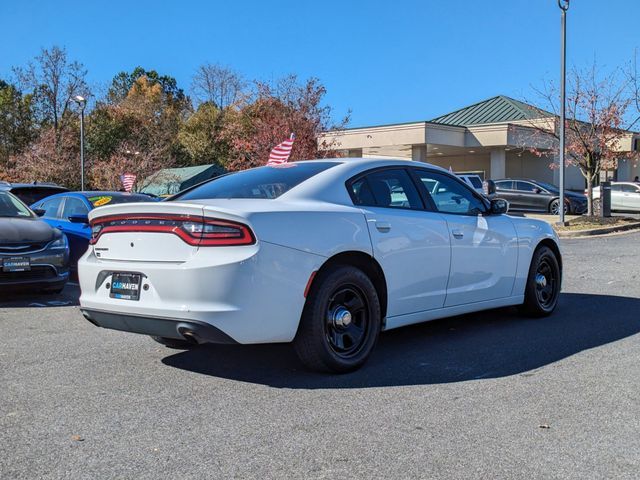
(598, 231)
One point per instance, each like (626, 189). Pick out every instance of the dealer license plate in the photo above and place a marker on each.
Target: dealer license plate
(125, 286)
(16, 264)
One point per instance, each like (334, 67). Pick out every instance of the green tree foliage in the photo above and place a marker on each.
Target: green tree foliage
(16, 122)
(123, 82)
(201, 137)
(145, 122)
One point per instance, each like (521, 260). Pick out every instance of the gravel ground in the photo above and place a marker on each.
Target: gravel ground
(488, 395)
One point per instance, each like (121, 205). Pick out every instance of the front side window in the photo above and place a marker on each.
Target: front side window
(388, 188)
(630, 189)
(449, 195)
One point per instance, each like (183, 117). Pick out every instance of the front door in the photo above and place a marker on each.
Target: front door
(631, 197)
(484, 248)
(412, 245)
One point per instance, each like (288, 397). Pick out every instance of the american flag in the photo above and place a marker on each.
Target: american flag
(281, 152)
(128, 181)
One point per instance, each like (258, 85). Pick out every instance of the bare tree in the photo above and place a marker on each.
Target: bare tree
(218, 85)
(598, 125)
(54, 81)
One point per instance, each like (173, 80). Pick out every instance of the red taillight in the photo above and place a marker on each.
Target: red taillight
(192, 229)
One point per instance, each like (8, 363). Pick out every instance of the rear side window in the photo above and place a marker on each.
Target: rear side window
(74, 206)
(51, 207)
(391, 188)
(267, 182)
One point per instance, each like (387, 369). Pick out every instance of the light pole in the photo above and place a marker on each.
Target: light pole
(564, 6)
(82, 103)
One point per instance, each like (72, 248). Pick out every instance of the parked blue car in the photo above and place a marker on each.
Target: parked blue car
(69, 212)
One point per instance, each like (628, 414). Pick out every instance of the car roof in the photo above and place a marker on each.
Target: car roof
(10, 185)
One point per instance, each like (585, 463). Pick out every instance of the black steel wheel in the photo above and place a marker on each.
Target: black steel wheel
(341, 321)
(543, 283)
(347, 321)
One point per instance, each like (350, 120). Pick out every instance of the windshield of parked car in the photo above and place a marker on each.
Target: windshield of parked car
(10, 206)
(267, 182)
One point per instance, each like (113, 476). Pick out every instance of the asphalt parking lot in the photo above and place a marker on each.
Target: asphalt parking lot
(488, 395)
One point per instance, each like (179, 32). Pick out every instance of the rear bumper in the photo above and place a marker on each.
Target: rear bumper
(253, 294)
(181, 329)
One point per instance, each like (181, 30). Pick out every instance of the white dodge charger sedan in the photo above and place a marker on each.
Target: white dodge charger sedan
(323, 253)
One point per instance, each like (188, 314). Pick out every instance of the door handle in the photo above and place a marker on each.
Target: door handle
(457, 234)
(383, 227)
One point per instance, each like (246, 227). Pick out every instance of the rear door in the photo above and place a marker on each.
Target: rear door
(411, 244)
(484, 248)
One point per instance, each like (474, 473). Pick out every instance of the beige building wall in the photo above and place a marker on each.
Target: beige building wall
(463, 163)
(528, 165)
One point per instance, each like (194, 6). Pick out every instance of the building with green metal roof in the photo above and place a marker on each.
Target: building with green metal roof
(492, 138)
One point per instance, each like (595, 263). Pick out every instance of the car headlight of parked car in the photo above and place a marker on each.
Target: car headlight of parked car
(60, 243)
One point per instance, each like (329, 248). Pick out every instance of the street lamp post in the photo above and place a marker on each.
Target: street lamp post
(564, 6)
(82, 103)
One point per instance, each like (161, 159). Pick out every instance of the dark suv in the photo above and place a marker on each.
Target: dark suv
(534, 196)
(30, 193)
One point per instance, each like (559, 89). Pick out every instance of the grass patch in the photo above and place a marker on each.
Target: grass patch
(592, 223)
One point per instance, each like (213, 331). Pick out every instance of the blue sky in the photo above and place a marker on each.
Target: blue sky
(386, 61)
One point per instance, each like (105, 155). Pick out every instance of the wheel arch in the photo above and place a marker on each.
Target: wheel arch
(368, 265)
(548, 242)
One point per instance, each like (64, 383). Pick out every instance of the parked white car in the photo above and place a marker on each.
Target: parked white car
(625, 197)
(324, 254)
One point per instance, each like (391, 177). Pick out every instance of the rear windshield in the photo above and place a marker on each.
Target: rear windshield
(31, 195)
(262, 182)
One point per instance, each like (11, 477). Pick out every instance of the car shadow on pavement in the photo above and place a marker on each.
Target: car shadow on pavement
(490, 344)
(16, 299)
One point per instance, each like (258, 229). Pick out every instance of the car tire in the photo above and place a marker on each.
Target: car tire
(341, 321)
(174, 343)
(543, 284)
(554, 207)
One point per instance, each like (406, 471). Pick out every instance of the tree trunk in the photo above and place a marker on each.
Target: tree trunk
(589, 194)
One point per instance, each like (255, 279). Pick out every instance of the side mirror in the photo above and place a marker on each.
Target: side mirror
(537, 190)
(78, 219)
(499, 206)
(39, 211)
